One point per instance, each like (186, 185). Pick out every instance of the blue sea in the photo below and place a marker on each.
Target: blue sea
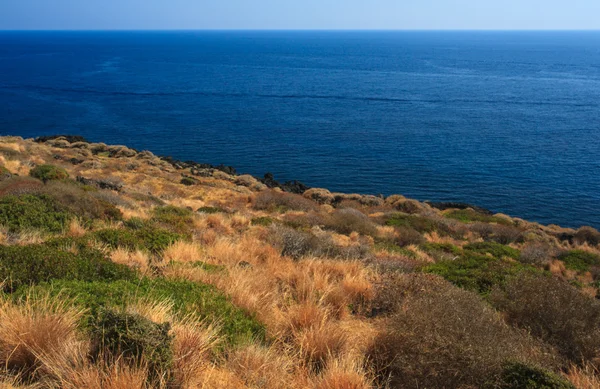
(505, 120)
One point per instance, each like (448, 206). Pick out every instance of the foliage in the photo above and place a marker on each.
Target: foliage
(47, 173)
(188, 298)
(517, 375)
(447, 248)
(348, 220)
(587, 235)
(40, 212)
(134, 338)
(443, 337)
(579, 260)
(149, 237)
(553, 311)
(497, 250)
(24, 265)
(262, 221)
(273, 201)
(210, 210)
(476, 272)
(469, 215)
(176, 218)
(188, 181)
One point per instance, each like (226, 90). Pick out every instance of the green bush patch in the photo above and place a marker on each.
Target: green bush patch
(210, 210)
(447, 248)
(33, 264)
(262, 221)
(497, 250)
(148, 238)
(579, 260)
(201, 300)
(47, 173)
(175, 218)
(39, 212)
(135, 339)
(476, 272)
(520, 376)
(468, 216)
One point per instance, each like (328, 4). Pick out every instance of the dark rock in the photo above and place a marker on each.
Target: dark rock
(102, 184)
(68, 138)
(294, 186)
(199, 169)
(76, 161)
(448, 205)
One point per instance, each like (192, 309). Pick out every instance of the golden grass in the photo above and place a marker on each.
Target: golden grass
(75, 229)
(587, 377)
(344, 374)
(182, 251)
(136, 259)
(34, 327)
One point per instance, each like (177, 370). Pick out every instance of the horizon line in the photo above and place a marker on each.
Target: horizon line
(296, 30)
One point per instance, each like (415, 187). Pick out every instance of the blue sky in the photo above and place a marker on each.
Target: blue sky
(305, 14)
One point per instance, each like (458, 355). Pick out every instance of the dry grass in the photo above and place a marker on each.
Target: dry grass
(586, 377)
(136, 259)
(182, 251)
(75, 229)
(34, 327)
(344, 374)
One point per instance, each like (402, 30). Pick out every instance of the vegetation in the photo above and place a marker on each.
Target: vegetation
(47, 173)
(176, 276)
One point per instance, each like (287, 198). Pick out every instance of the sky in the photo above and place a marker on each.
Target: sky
(300, 14)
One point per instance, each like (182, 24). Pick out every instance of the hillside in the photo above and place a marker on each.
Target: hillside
(122, 269)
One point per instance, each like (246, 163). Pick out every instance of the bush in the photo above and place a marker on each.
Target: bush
(188, 298)
(406, 236)
(210, 210)
(262, 221)
(18, 186)
(521, 376)
(295, 244)
(33, 264)
(175, 218)
(272, 201)
(135, 339)
(538, 254)
(497, 250)
(47, 173)
(149, 237)
(444, 337)
(553, 311)
(40, 212)
(469, 215)
(579, 260)
(74, 198)
(447, 248)
(188, 181)
(348, 220)
(420, 223)
(476, 272)
(4, 173)
(587, 235)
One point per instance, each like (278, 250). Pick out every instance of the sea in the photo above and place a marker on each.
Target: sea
(509, 121)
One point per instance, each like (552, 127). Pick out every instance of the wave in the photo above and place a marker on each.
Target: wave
(292, 96)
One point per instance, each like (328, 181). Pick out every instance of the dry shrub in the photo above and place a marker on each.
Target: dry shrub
(406, 236)
(587, 235)
(344, 374)
(445, 337)
(499, 233)
(17, 186)
(318, 344)
(32, 328)
(537, 253)
(271, 201)
(348, 220)
(554, 311)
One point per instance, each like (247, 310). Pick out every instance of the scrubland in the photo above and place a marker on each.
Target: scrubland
(123, 270)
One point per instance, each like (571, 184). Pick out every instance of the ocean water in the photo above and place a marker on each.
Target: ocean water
(505, 120)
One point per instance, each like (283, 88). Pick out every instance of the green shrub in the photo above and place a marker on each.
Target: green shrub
(497, 250)
(579, 260)
(39, 212)
(476, 272)
(135, 339)
(210, 210)
(554, 311)
(135, 223)
(47, 173)
(175, 218)
(447, 248)
(391, 247)
(33, 264)
(469, 215)
(420, 223)
(262, 221)
(150, 238)
(521, 376)
(4, 173)
(188, 298)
